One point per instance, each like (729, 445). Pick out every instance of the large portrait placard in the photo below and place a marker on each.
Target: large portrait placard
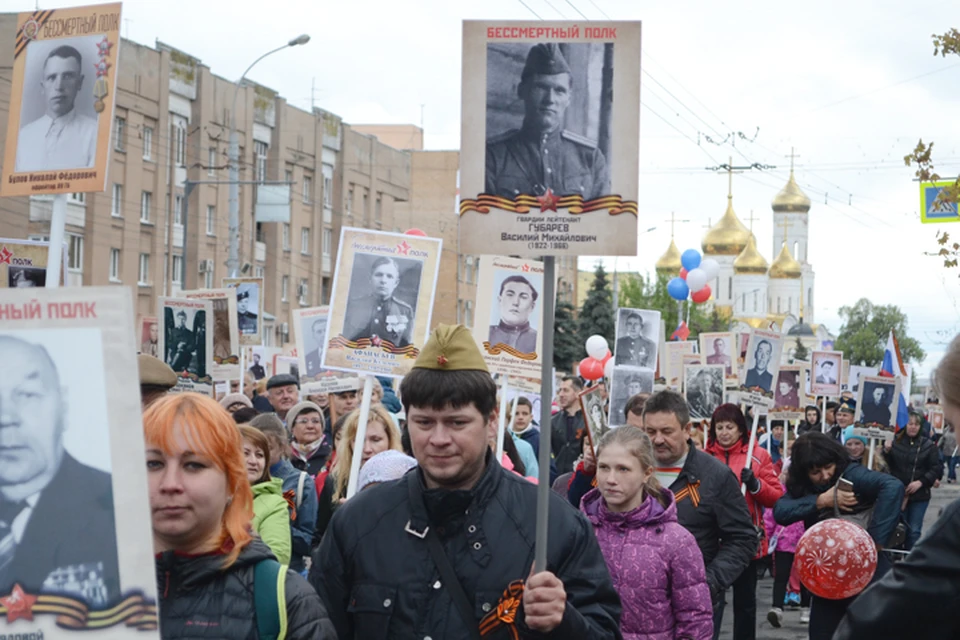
(625, 383)
(789, 397)
(78, 557)
(186, 342)
(637, 338)
(594, 414)
(249, 308)
(226, 334)
(310, 328)
(671, 364)
(703, 387)
(877, 401)
(509, 313)
(761, 367)
(550, 132)
(23, 264)
(381, 301)
(722, 348)
(826, 370)
(65, 64)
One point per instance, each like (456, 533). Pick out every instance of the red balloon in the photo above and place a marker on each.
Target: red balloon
(591, 369)
(683, 273)
(836, 559)
(606, 358)
(701, 296)
(415, 232)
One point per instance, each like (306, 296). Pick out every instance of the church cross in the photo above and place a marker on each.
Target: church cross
(792, 157)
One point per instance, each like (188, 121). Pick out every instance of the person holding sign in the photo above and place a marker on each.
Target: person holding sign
(447, 551)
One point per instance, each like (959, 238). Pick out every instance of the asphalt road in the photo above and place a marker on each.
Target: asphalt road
(792, 629)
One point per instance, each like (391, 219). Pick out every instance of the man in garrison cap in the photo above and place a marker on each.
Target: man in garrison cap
(377, 567)
(542, 156)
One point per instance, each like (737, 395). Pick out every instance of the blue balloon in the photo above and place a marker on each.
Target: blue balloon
(678, 289)
(690, 259)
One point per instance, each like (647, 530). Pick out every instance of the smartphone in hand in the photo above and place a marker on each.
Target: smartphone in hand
(845, 485)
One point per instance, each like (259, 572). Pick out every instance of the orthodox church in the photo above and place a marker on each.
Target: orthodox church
(751, 291)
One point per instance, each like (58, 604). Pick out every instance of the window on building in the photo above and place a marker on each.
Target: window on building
(286, 236)
(177, 275)
(327, 241)
(325, 291)
(260, 157)
(303, 292)
(77, 198)
(305, 241)
(119, 129)
(143, 278)
(328, 186)
(469, 313)
(288, 176)
(147, 143)
(115, 265)
(74, 252)
(180, 144)
(178, 211)
(212, 161)
(116, 206)
(284, 288)
(307, 189)
(348, 203)
(211, 220)
(378, 208)
(366, 197)
(755, 297)
(146, 202)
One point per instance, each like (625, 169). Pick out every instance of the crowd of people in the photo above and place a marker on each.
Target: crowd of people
(650, 531)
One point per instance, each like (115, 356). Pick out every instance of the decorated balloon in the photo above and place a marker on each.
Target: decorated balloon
(678, 289)
(836, 559)
(690, 259)
(415, 232)
(591, 369)
(702, 295)
(597, 347)
(711, 266)
(608, 369)
(683, 273)
(696, 279)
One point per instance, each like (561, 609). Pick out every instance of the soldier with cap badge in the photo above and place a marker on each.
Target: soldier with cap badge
(247, 320)
(380, 315)
(541, 156)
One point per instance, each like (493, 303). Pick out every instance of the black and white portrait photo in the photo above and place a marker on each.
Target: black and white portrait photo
(256, 367)
(248, 299)
(185, 340)
(626, 383)
(549, 119)
(637, 338)
(26, 277)
(786, 395)
(382, 299)
(58, 122)
(877, 402)
(856, 372)
(720, 348)
(594, 409)
(514, 312)
(221, 330)
(57, 523)
(703, 388)
(763, 360)
(313, 331)
(826, 368)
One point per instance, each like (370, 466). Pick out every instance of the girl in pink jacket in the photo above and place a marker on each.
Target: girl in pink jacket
(655, 563)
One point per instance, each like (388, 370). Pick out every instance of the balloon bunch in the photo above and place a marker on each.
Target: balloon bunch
(599, 360)
(693, 278)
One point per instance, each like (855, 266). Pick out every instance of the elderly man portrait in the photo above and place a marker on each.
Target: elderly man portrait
(57, 531)
(152, 346)
(542, 155)
(61, 138)
(517, 300)
(379, 314)
(635, 349)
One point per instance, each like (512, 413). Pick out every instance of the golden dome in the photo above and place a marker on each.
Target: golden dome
(750, 261)
(728, 237)
(669, 262)
(756, 323)
(791, 199)
(785, 267)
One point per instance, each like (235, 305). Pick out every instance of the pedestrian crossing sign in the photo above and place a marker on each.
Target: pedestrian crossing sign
(933, 208)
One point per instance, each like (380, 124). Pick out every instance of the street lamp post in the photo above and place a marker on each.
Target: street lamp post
(233, 255)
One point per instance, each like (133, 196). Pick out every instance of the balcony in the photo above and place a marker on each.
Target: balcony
(260, 251)
(41, 210)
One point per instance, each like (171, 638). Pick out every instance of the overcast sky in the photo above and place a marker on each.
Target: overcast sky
(852, 85)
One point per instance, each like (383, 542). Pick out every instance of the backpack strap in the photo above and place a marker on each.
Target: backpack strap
(270, 599)
(303, 478)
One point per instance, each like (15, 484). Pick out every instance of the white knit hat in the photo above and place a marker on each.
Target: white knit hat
(384, 467)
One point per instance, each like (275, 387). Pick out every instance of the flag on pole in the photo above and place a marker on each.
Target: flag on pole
(893, 367)
(682, 332)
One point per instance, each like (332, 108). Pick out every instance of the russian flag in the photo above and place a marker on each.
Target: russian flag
(892, 367)
(682, 332)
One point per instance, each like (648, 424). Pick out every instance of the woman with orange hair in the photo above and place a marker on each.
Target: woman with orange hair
(201, 507)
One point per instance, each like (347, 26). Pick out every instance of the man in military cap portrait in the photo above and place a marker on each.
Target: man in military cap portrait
(379, 314)
(635, 349)
(181, 345)
(517, 300)
(542, 156)
(247, 320)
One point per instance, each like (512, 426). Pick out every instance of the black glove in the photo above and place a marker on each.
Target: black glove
(750, 480)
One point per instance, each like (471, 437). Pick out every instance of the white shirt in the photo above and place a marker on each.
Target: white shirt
(20, 522)
(68, 142)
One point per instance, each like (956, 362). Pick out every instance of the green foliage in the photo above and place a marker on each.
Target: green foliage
(638, 292)
(800, 352)
(596, 316)
(866, 326)
(567, 346)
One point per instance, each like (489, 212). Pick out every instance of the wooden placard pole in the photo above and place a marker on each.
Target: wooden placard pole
(361, 436)
(546, 391)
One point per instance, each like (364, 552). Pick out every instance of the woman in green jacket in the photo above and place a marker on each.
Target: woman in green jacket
(271, 520)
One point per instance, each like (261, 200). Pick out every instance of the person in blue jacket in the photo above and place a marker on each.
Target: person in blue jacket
(817, 464)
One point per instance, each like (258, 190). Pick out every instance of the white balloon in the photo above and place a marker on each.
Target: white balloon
(711, 267)
(597, 347)
(608, 369)
(696, 279)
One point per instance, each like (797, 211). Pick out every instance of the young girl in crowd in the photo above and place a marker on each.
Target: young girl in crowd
(201, 507)
(382, 434)
(655, 563)
(270, 518)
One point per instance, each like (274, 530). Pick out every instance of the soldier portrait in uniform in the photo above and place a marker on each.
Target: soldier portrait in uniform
(247, 294)
(314, 331)
(594, 412)
(256, 368)
(185, 342)
(514, 314)
(26, 277)
(546, 129)
(758, 373)
(876, 403)
(825, 371)
(703, 388)
(637, 338)
(382, 300)
(720, 348)
(150, 337)
(627, 382)
(58, 123)
(786, 395)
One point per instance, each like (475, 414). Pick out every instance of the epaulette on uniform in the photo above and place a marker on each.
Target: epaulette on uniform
(578, 139)
(401, 303)
(503, 137)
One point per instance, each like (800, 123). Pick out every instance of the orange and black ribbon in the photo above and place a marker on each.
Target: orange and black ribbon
(35, 21)
(692, 491)
(506, 612)
(135, 611)
(340, 342)
(500, 347)
(615, 205)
